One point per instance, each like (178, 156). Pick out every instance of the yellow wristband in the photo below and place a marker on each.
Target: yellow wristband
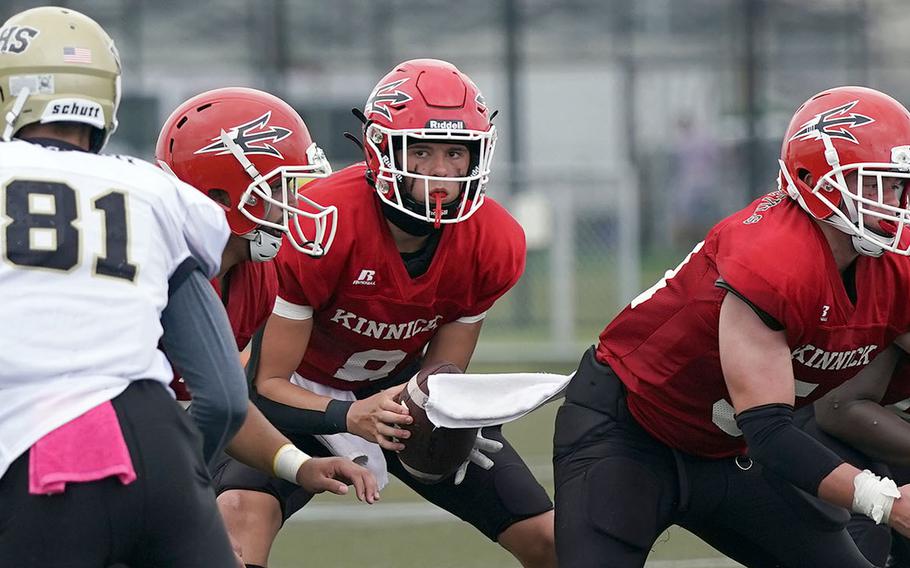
(287, 462)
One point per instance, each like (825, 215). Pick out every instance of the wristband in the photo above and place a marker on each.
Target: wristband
(873, 496)
(336, 414)
(287, 462)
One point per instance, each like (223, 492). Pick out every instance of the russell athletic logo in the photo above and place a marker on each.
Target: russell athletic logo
(835, 123)
(365, 278)
(384, 96)
(253, 137)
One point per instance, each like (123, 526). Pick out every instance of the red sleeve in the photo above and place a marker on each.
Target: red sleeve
(760, 274)
(501, 260)
(299, 277)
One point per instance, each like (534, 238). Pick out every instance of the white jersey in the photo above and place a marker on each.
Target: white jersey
(87, 245)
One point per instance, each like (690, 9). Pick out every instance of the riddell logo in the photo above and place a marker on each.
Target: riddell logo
(445, 124)
(365, 278)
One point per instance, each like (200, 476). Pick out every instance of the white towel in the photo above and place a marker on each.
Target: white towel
(350, 446)
(478, 400)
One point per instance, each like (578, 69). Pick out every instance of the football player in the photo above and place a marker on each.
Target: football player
(682, 414)
(421, 255)
(103, 256)
(248, 151)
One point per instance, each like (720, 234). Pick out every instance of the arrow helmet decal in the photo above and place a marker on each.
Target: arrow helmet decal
(386, 95)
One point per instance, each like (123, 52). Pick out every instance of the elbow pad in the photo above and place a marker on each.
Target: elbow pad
(784, 449)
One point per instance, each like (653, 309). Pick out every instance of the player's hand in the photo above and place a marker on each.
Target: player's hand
(481, 444)
(335, 474)
(376, 418)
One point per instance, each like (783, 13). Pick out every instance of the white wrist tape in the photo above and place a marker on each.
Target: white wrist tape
(873, 496)
(287, 462)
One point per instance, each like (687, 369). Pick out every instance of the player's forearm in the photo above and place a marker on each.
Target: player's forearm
(295, 410)
(284, 391)
(801, 460)
(198, 340)
(256, 442)
(869, 427)
(837, 486)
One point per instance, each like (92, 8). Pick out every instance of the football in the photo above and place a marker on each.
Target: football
(431, 454)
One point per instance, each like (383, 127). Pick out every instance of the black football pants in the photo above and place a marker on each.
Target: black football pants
(618, 488)
(166, 517)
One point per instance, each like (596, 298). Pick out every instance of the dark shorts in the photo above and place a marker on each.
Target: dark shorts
(618, 488)
(490, 500)
(167, 517)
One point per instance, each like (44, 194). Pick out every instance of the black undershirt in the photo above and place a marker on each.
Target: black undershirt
(418, 262)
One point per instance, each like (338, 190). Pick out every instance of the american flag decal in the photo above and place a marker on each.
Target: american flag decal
(77, 55)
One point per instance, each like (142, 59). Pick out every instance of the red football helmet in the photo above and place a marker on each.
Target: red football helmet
(850, 131)
(431, 100)
(254, 147)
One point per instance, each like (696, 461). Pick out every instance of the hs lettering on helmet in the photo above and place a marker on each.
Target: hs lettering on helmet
(16, 39)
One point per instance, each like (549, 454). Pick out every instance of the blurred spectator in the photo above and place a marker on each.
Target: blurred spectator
(699, 200)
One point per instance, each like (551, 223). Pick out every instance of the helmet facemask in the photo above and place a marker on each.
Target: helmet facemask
(297, 211)
(875, 225)
(391, 147)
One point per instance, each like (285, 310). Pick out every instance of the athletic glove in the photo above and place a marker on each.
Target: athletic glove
(476, 457)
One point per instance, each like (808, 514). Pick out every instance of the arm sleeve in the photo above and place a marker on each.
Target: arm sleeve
(198, 340)
(781, 447)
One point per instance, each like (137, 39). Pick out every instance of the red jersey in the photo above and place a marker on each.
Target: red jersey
(252, 288)
(370, 317)
(664, 345)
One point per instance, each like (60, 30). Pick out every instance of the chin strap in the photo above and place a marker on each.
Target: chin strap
(866, 247)
(14, 112)
(264, 246)
(863, 246)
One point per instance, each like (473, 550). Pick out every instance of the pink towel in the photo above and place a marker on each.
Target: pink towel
(87, 448)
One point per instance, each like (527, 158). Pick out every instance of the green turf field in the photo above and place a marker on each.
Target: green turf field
(402, 531)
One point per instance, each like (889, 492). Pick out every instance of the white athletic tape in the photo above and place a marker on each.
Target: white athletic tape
(287, 462)
(873, 496)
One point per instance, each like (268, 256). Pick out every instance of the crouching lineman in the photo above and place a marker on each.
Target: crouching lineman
(683, 413)
(249, 151)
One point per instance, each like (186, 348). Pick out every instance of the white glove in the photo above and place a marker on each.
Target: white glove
(480, 443)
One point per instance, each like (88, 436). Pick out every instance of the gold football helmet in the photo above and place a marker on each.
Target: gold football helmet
(57, 65)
